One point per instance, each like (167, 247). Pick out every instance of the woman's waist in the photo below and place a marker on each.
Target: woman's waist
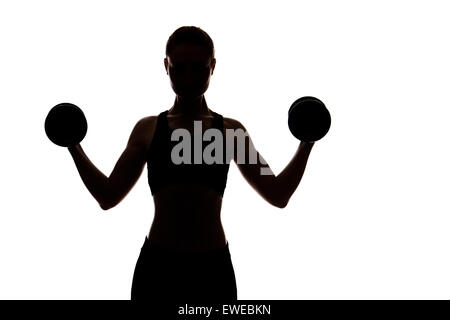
(188, 235)
(170, 247)
(188, 195)
(194, 212)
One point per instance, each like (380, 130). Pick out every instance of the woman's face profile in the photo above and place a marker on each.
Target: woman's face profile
(189, 68)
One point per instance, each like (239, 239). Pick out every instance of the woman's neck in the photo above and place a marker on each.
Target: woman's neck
(190, 107)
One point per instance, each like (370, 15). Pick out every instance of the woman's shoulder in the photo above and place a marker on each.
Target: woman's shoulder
(231, 123)
(148, 119)
(144, 130)
(146, 123)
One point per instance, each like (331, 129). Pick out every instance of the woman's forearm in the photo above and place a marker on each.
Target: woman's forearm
(289, 179)
(94, 180)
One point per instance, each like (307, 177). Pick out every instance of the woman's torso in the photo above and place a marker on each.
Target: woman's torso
(187, 216)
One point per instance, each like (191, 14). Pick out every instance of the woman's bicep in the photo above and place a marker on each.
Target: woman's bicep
(129, 167)
(253, 166)
(261, 178)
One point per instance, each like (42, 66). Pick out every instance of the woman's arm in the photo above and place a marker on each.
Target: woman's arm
(289, 179)
(109, 191)
(94, 180)
(276, 189)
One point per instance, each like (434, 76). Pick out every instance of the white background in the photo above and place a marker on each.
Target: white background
(369, 220)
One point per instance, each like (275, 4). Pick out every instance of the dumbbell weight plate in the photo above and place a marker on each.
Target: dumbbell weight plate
(66, 125)
(308, 119)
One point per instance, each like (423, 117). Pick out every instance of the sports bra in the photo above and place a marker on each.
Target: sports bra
(162, 171)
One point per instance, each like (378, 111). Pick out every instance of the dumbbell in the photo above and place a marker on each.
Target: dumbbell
(308, 119)
(66, 125)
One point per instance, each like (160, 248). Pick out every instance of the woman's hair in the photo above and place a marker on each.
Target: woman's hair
(190, 35)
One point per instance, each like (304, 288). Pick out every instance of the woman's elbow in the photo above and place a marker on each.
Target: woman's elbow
(110, 201)
(106, 205)
(279, 202)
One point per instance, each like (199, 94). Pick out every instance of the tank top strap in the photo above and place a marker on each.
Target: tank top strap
(218, 121)
(162, 121)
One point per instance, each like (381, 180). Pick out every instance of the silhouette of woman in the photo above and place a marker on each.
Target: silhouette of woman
(186, 256)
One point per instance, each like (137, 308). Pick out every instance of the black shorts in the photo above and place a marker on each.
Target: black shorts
(177, 276)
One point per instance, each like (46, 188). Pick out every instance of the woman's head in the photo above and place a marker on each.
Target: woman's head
(189, 61)
(190, 35)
